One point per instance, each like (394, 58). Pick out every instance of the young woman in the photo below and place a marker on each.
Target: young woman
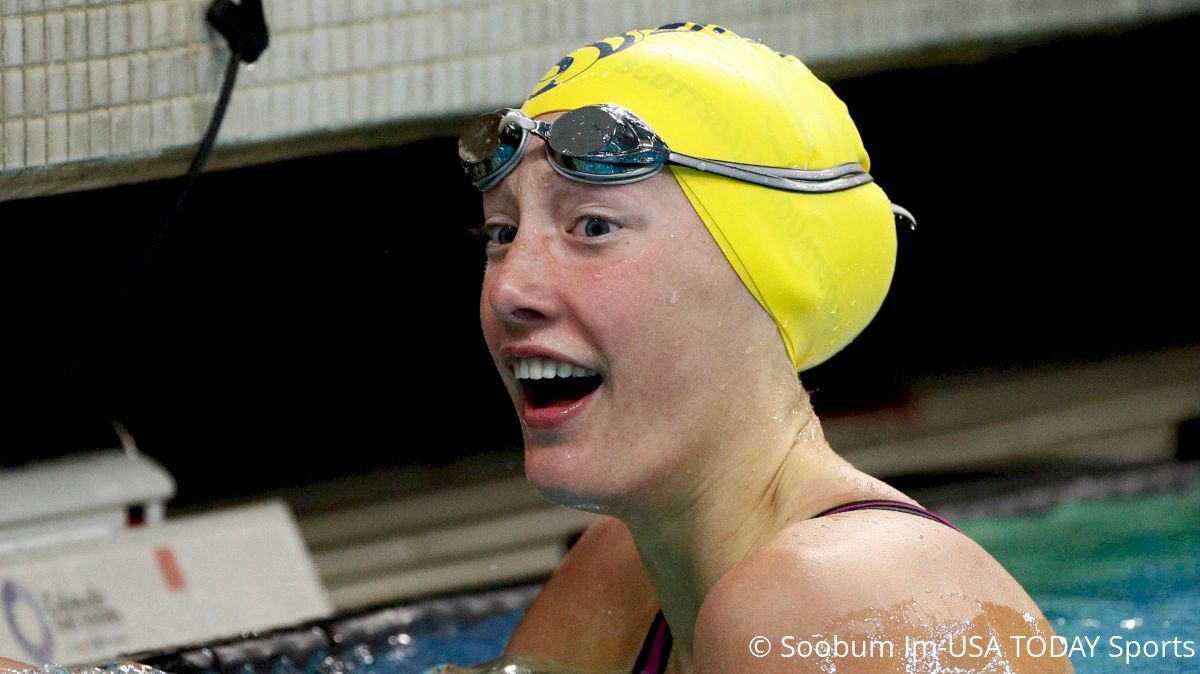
(678, 221)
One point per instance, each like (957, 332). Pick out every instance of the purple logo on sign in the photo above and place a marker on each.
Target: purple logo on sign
(13, 594)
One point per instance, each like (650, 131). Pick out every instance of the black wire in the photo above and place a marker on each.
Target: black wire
(206, 146)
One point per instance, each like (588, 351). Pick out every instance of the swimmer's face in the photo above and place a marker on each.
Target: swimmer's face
(624, 281)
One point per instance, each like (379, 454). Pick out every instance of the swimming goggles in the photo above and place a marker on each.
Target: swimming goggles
(609, 145)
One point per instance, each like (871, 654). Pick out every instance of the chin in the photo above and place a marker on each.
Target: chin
(563, 477)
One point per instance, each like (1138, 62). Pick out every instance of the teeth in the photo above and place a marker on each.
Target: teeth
(538, 367)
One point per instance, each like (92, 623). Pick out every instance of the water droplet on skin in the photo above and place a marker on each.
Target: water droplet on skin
(749, 349)
(722, 387)
(674, 296)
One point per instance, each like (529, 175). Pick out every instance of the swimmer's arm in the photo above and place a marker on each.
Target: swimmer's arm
(5, 663)
(594, 611)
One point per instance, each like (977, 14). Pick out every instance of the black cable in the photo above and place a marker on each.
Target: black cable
(201, 158)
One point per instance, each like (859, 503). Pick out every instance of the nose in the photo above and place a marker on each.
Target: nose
(518, 285)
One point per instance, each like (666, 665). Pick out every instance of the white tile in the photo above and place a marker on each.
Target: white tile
(202, 109)
(339, 12)
(339, 49)
(56, 88)
(14, 145)
(118, 80)
(435, 40)
(300, 61)
(281, 110)
(97, 32)
(56, 37)
(55, 4)
(301, 105)
(417, 36)
(279, 58)
(180, 72)
(139, 128)
(260, 112)
(139, 26)
(320, 12)
(160, 124)
(121, 132)
(301, 18)
(381, 52)
(237, 119)
(32, 6)
(160, 29)
(380, 98)
(56, 139)
(76, 34)
(74, 3)
(77, 136)
(97, 83)
(181, 17)
(278, 15)
(35, 39)
(118, 29)
(398, 95)
(35, 91)
(209, 69)
(199, 30)
(183, 122)
(139, 77)
(14, 42)
(98, 130)
(322, 106)
(360, 46)
(360, 93)
(342, 111)
(13, 89)
(318, 45)
(160, 75)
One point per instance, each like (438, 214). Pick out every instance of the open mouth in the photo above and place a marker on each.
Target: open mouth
(549, 383)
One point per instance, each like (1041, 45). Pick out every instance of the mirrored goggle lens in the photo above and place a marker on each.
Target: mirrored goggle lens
(592, 131)
(591, 170)
(484, 147)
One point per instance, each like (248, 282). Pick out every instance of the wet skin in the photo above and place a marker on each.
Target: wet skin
(701, 447)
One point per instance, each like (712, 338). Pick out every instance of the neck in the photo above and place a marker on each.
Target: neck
(753, 486)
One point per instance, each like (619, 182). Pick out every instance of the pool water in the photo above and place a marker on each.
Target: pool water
(1117, 572)
(1123, 570)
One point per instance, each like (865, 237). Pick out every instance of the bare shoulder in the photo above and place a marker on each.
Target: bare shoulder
(879, 583)
(594, 611)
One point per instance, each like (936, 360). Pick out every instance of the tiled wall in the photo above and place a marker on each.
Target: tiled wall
(90, 84)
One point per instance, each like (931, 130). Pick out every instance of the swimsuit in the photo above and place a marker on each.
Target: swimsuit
(656, 649)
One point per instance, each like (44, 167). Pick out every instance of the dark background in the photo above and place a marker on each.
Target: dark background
(319, 316)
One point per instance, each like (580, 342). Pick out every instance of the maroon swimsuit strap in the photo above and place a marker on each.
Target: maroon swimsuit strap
(656, 649)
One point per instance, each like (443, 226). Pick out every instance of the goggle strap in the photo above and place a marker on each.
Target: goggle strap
(834, 179)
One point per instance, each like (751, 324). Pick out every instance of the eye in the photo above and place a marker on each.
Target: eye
(592, 226)
(497, 234)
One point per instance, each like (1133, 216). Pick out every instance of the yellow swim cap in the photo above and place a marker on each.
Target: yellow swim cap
(820, 264)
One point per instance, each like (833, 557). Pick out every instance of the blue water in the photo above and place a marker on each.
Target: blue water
(1112, 571)
(1120, 571)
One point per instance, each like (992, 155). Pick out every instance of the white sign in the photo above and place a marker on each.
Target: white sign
(183, 582)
